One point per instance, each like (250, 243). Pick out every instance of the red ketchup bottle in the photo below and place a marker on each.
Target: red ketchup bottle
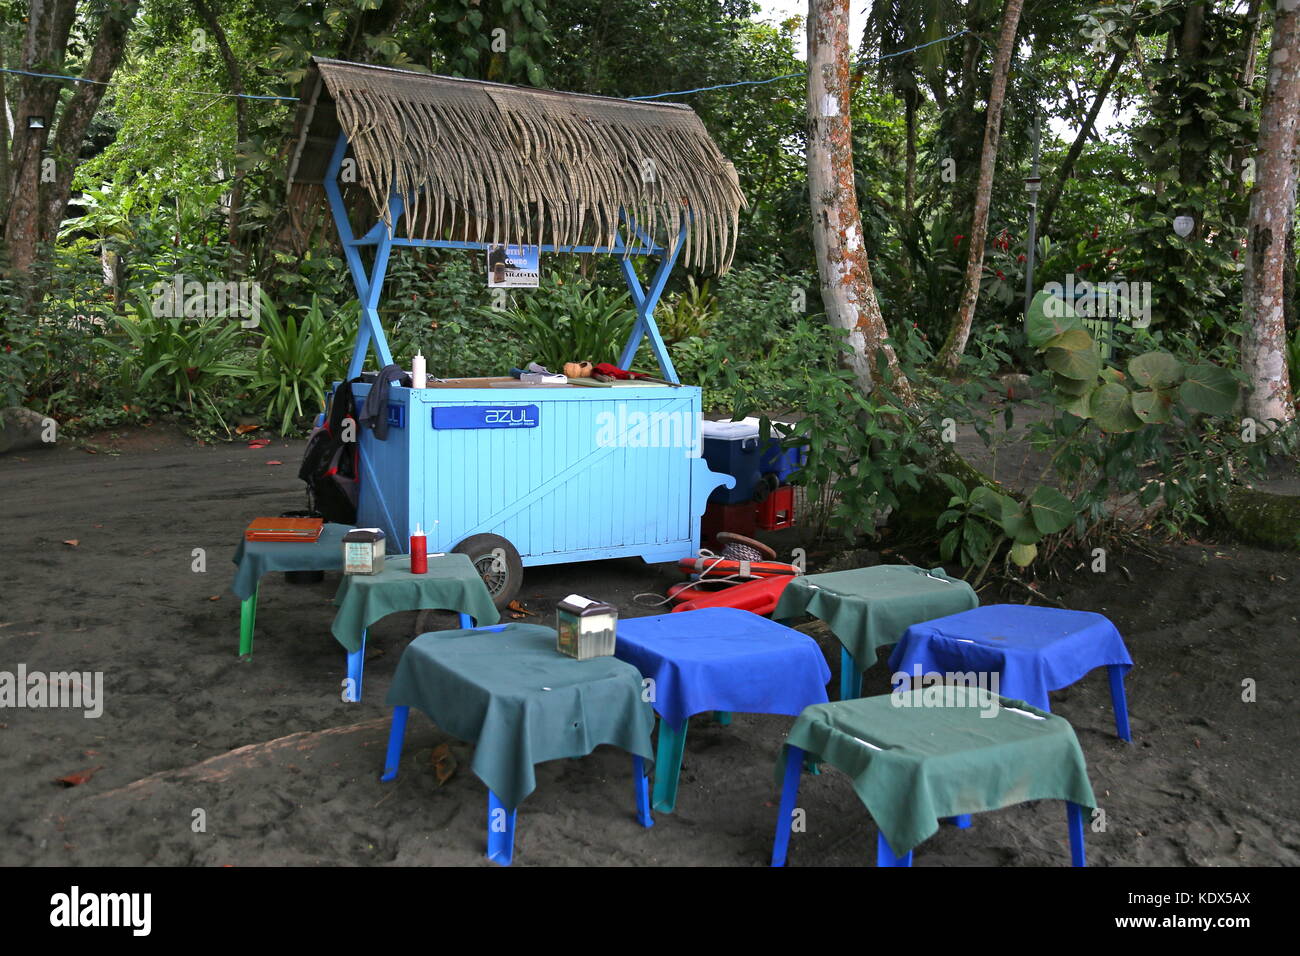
(419, 552)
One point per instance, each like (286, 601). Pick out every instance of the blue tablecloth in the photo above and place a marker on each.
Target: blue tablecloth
(723, 659)
(1033, 649)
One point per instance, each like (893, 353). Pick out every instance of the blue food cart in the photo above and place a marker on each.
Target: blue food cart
(514, 474)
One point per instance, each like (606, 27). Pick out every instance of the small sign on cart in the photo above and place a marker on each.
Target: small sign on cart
(513, 267)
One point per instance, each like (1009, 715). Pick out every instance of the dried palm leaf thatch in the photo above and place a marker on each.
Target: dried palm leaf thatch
(485, 162)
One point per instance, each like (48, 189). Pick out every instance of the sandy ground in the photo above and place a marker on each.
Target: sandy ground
(284, 772)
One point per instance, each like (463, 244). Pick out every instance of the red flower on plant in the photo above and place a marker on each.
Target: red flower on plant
(959, 237)
(1020, 258)
(1096, 231)
(1082, 267)
(1001, 276)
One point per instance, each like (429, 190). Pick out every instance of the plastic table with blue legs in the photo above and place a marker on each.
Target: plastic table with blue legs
(1029, 651)
(916, 761)
(451, 583)
(510, 693)
(722, 660)
(870, 608)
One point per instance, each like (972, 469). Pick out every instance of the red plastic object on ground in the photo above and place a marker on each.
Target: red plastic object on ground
(777, 510)
(723, 567)
(759, 597)
(737, 518)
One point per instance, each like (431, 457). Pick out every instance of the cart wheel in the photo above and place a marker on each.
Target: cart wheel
(497, 562)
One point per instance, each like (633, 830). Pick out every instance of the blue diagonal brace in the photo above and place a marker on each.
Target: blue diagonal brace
(369, 287)
(645, 301)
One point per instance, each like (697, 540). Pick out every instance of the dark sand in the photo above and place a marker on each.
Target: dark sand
(286, 773)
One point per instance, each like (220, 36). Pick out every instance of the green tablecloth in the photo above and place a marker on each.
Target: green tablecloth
(868, 608)
(256, 558)
(521, 702)
(451, 584)
(942, 761)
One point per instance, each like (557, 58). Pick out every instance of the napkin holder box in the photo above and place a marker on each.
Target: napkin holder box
(584, 628)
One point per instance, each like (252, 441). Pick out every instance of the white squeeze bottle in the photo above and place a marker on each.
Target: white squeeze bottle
(417, 371)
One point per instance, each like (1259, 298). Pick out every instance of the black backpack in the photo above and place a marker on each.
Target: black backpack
(330, 465)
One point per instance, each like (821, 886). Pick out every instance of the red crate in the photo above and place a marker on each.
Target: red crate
(776, 511)
(737, 518)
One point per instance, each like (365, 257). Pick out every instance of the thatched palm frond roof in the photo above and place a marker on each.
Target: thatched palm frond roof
(486, 162)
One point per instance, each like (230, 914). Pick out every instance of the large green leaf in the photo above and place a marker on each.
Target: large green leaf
(1080, 405)
(1051, 510)
(1156, 370)
(1044, 319)
(1024, 554)
(1082, 365)
(985, 499)
(1112, 409)
(1073, 340)
(1017, 525)
(1154, 407)
(1209, 389)
(1072, 387)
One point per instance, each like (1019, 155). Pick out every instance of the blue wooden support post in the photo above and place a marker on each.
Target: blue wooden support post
(368, 287)
(645, 301)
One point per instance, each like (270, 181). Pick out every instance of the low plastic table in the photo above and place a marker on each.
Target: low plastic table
(717, 659)
(508, 691)
(452, 583)
(869, 608)
(1033, 650)
(256, 558)
(916, 757)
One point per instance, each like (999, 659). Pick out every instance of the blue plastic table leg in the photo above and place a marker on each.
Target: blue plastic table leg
(794, 757)
(722, 716)
(642, 792)
(850, 676)
(1074, 818)
(1119, 701)
(356, 666)
(396, 735)
(961, 821)
(501, 831)
(466, 622)
(668, 765)
(885, 855)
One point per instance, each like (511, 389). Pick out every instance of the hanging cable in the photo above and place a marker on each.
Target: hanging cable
(787, 76)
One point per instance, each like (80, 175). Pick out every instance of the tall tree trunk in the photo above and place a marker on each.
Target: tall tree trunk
(1272, 206)
(911, 96)
(236, 79)
(74, 123)
(48, 25)
(1190, 161)
(4, 133)
(959, 333)
(1254, 18)
(847, 289)
(1076, 148)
